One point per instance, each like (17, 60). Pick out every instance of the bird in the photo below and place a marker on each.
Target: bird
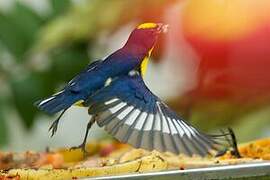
(117, 98)
(132, 55)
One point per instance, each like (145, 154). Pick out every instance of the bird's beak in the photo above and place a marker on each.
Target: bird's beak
(163, 28)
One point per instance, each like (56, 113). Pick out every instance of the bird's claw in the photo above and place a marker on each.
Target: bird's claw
(233, 150)
(82, 147)
(221, 153)
(53, 128)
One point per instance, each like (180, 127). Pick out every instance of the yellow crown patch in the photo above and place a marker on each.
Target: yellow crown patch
(147, 26)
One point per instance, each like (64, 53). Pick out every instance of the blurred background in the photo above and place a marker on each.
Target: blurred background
(212, 67)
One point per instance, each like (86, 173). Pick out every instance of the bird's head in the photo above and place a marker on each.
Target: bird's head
(143, 37)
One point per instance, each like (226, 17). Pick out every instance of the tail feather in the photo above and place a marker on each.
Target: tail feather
(57, 102)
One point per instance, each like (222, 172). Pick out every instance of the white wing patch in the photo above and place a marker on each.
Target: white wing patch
(58, 93)
(178, 126)
(108, 82)
(188, 130)
(117, 107)
(140, 121)
(172, 127)
(157, 126)
(149, 122)
(125, 112)
(133, 116)
(110, 101)
(133, 73)
(91, 69)
(165, 126)
(46, 100)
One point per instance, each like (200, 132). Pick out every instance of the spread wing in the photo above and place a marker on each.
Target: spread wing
(133, 114)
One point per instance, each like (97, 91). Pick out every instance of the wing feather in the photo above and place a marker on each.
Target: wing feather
(133, 114)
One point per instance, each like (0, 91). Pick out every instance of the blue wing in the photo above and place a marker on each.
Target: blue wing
(133, 114)
(78, 82)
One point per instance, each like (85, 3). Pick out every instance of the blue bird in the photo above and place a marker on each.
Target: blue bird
(133, 55)
(119, 100)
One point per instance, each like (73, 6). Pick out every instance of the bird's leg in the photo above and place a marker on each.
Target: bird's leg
(82, 146)
(54, 125)
(232, 143)
(235, 151)
(221, 152)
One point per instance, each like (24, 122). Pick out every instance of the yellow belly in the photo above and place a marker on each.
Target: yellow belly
(79, 103)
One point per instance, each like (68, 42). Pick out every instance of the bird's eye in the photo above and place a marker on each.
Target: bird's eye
(152, 31)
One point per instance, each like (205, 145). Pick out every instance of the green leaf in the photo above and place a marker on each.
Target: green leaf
(26, 19)
(26, 90)
(10, 36)
(3, 129)
(67, 62)
(18, 29)
(59, 7)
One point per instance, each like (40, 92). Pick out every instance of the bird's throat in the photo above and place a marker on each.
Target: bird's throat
(144, 63)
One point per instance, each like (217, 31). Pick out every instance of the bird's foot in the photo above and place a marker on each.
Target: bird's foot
(54, 126)
(82, 147)
(235, 151)
(233, 148)
(221, 153)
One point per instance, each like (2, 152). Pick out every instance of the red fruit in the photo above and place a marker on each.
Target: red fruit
(106, 149)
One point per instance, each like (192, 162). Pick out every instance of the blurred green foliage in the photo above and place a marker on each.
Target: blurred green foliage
(3, 130)
(19, 28)
(38, 52)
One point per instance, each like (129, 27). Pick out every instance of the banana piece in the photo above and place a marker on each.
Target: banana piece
(133, 155)
(151, 162)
